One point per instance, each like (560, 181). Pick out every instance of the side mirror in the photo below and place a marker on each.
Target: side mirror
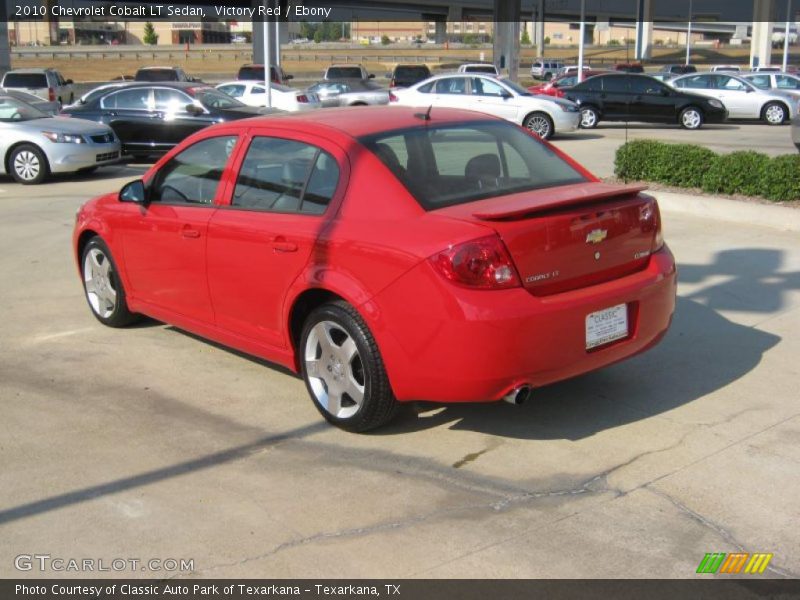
(749, 90)
(665, 92)
(193, 109)
(371, 76)
(69, 82)
(133, 192)
(287, 77)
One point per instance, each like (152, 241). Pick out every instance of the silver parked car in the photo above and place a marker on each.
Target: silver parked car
(33, 144)
(742, 99)
(49, 107)
(350, 92)
(796, 131)
(784, 82)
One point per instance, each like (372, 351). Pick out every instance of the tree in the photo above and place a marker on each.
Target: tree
(385, 40)
(318, 36)
(150, 36)
(525, 39)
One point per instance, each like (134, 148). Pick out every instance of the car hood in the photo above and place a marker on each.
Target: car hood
(65, 125)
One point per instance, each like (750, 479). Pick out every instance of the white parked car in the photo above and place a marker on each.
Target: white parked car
(254, 93)
(742, 99)
(543, 115)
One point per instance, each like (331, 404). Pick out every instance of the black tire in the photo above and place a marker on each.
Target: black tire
(589, 117)
(774, 113)
(548, 76)
(691, 117)
(112, 314)
(540, 123)
(377, 405)
(28, 165)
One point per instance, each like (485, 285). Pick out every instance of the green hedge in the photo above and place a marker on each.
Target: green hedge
(687, 165)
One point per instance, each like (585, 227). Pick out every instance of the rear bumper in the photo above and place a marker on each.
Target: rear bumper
(449, 344)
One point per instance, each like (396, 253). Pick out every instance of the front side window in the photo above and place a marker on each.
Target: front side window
(454, 164)
(280, 175)
(132, 99)
(192, 176)
(645, 85)
(451, 85)
(697, 82)
(171, 101)
(485, 87)
(725, 82)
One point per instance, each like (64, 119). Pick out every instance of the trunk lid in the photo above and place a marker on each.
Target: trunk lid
(571, 236)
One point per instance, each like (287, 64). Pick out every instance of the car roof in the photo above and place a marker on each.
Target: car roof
(151, 68)
(366, 120)
(35, 70)
(172, 84)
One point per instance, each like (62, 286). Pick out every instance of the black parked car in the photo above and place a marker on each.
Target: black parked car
(408, 75)
(151, 118)
(630, 97)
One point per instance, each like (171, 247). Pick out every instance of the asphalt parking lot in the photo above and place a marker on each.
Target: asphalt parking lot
(149, 443)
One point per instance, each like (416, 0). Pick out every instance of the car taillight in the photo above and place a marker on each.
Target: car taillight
(302, 98)
(650, 218)
(479, 264)
(51, 94)
(393, 98)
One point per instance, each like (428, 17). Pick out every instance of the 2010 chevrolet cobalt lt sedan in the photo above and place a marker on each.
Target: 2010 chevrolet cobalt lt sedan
(386, 254)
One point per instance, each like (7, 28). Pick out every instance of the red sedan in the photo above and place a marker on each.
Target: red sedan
(385, 254)
(559, 86)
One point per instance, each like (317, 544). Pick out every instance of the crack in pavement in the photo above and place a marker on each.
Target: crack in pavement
(718, 529)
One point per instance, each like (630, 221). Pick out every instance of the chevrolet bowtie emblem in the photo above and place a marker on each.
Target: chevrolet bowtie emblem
(595, 236)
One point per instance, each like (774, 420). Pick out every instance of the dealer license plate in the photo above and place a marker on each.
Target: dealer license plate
(606, 325)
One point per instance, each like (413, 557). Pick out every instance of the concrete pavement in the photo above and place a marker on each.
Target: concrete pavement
(150, 443)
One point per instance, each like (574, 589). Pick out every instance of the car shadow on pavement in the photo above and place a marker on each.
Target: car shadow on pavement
(703, 352)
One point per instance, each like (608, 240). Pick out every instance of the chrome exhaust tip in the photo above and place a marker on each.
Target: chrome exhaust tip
(518, 395)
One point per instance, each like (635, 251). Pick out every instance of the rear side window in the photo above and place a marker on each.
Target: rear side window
(454, 164)
(25, 80)
(280, 175)
(133, 99)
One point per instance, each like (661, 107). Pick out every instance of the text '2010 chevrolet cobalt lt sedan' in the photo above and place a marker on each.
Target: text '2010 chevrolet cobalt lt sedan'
(387, 254)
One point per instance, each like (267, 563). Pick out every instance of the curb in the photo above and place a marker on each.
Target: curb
(723, 209)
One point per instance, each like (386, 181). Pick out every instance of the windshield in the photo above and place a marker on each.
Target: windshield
(13, 110)
(518, 89)
(211, 98)
(459, 163)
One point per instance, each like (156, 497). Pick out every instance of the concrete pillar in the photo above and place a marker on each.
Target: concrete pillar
(761, 39)
(258, 33)
(505, 46)
(539, 36)
(644, 29)
(5, 50)
(440, 36)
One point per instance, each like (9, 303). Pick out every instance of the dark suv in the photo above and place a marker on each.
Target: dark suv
(630, 97)
(408, 75)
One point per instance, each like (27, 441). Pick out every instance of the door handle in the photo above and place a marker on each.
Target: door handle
(279, 244)
(190, 233)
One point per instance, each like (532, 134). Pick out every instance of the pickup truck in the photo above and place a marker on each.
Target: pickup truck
(346, 72)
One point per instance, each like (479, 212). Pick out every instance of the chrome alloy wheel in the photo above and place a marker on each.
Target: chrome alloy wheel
(539, 125)
(775, 114)
(27, 165)
(691, 119)
(588, 118)
(99, 282)
(334, 369)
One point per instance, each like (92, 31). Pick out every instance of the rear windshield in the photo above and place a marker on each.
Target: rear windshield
(458, 163)
(344, 73)
(481, 69)
(157, 75)
(411, 72)
(25, 80)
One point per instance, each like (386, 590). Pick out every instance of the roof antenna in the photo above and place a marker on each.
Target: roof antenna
(426, 116)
